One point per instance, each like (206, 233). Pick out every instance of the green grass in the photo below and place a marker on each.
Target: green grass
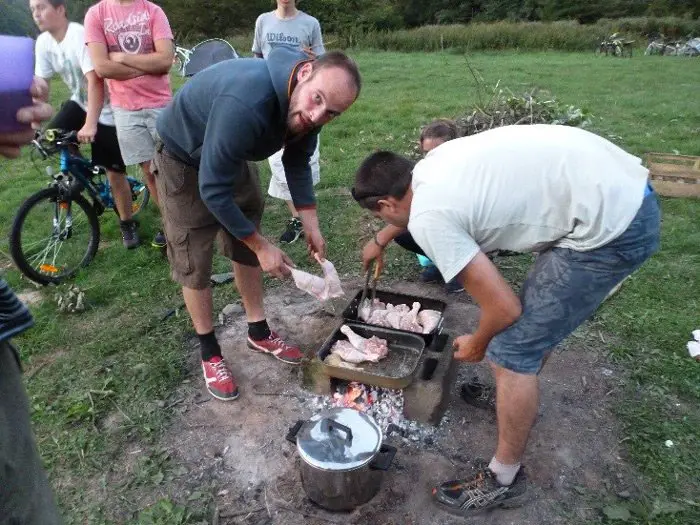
(96, 379)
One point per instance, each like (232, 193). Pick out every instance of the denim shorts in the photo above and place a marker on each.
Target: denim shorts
(565, 287)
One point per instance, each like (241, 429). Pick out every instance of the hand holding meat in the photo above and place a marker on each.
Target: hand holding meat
(466, 350)
(273, 260)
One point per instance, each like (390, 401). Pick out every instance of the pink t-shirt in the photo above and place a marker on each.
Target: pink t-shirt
(132, 29)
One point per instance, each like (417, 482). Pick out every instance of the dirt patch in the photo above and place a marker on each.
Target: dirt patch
(31, 298)
(238, 452)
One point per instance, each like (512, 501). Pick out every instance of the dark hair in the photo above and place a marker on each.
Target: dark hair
(57, 3)
(341, 60)
(440, 129)
(383, 174)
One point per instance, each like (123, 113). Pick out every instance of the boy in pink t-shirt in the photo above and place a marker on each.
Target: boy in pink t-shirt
(131, 45)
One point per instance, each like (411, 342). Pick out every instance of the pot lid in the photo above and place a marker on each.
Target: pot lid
(339, 439)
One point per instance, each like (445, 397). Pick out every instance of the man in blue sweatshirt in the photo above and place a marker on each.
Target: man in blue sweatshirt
(225, 117)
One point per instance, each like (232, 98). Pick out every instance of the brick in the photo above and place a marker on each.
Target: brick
(426, 398)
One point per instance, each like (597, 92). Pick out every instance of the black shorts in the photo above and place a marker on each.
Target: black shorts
(105, 150)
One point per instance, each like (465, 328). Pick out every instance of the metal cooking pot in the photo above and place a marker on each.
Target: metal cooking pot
(342, 457)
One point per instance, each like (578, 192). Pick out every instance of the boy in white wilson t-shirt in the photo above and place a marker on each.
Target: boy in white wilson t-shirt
(288, 26)
(60, 49)
(583, 204)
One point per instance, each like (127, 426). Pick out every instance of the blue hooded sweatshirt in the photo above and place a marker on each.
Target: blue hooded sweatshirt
(232, 112)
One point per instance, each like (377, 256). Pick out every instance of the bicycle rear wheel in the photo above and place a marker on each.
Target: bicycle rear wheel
(139, 191)
(53, 237)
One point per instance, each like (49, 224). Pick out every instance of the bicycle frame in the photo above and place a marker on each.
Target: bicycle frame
(77, 174)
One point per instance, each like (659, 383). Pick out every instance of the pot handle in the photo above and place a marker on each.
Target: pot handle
(334, 425)
(293, 431)
(384, 458)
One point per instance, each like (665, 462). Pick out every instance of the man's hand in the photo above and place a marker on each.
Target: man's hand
(312, 233)
(372, 252)
(273, 260)
(466, 349)
(87, 133)
(35, 114)
(316, 243)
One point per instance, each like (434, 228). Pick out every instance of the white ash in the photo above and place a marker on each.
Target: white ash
(383, 405)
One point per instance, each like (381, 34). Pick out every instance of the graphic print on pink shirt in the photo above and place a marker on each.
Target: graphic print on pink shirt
(131, 29)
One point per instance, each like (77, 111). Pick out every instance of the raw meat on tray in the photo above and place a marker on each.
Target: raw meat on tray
(357, 349)
(399, 316)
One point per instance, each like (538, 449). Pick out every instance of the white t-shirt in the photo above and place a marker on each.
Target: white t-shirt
(69, 59)
(525, 189)
(301, 31)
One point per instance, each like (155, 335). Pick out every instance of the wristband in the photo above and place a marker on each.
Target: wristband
(376, 241)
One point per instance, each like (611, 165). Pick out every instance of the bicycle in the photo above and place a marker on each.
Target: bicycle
(56, 230)
(187, 62)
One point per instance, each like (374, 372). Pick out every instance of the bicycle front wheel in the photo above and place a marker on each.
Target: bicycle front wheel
(52, 237)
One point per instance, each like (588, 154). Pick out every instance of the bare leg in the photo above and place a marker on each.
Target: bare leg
(249, 284)
(199, 306)
(122, 194)
(150, 180)
(292, 209)
(517, 398)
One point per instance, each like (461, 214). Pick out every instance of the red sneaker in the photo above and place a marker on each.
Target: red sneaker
(275, 346)
(220, 382)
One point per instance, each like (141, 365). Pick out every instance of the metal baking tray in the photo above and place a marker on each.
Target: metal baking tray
(385, 296)
(394, 371)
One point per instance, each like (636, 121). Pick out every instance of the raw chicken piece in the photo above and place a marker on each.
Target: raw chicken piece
(323, 288)
(409, 321)
(334, 359)
(429, 320)
(364, 311)
(373, 348)
(347, 352)
(393, 319)
(378, 318)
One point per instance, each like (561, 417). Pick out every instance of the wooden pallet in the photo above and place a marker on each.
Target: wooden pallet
(674, 175)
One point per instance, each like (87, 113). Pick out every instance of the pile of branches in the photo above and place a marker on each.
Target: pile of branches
(535, 107)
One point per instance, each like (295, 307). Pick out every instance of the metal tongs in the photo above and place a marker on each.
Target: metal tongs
(373, 295)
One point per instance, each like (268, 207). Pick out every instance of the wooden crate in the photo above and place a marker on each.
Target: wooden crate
(674, 175)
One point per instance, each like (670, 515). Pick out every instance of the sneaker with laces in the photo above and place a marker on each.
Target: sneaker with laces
(275, 346)
(471, 496)
(219, 379)
(159, 240)
(130, 236)
(292, 232)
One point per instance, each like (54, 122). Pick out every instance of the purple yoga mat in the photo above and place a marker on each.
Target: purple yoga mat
(16, 75)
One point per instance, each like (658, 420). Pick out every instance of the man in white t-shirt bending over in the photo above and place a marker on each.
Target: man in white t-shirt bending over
(61, 50)
(289, 26)
(581, 202)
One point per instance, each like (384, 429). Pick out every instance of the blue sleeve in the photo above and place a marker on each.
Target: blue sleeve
(223, 159)
(295, 160)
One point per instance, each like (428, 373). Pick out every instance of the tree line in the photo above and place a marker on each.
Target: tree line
(203, 18)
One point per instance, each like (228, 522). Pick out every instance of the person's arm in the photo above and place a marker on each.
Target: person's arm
(96, 98)
(374, 249)
(499, 306)
(296, 159)
(107, 68)
(157, 63)
(257, 38)
(317, 46)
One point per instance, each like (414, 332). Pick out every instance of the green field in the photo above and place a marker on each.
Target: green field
(119, 357)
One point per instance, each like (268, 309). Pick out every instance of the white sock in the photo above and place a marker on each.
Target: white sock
(505, 474)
